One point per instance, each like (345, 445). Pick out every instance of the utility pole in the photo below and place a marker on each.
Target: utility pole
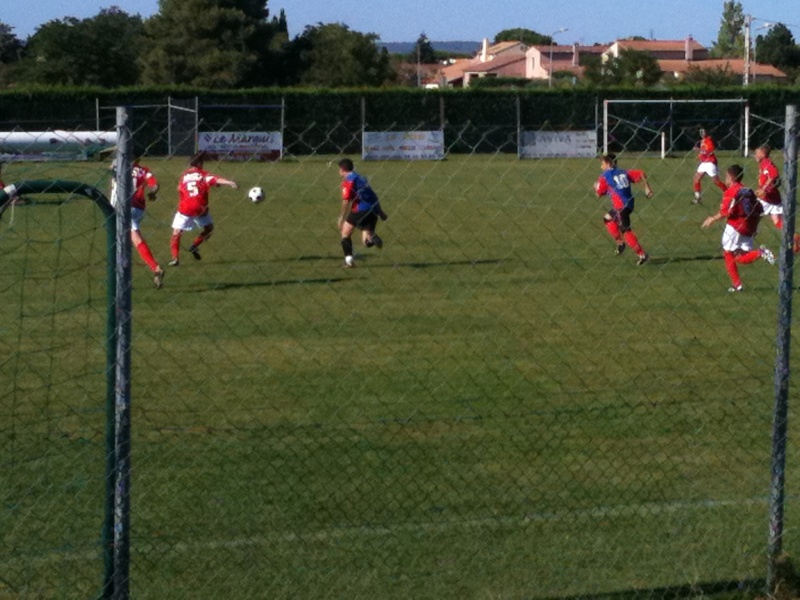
(748, 21)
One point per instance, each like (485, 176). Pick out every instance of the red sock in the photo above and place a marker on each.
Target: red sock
(748, 257)
(613, 229)
(147, 256)
(197, 241)
(720, 184)
(697, 187)
(175, 246)
(633, 242)
(733, 271)
(779, 221)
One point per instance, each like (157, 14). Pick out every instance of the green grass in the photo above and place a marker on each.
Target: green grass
(493, 406)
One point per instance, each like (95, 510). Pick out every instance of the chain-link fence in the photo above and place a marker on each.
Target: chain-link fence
(493, 405)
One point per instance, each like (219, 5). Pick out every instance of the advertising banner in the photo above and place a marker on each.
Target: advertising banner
(558, 144)
(241, 145)
(403, 145)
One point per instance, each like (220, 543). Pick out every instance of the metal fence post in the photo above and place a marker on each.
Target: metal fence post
(122, 443)
(783, 340)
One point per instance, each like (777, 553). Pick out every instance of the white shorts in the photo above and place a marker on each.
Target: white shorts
(187, 223)
(771, 209)
(137, 214)
(732, 240)
(708, 168)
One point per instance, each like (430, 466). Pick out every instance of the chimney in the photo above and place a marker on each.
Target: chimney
(689, 51)
(576, 57)
(484, 49)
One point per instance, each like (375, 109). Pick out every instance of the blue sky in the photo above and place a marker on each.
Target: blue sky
(469, 20)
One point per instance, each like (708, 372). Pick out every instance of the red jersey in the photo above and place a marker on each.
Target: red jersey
(768, 172)
(193, 189)
(142, 178)
(742, 209)
(706, 150)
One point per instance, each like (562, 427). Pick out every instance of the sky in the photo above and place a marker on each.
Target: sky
(465, 20)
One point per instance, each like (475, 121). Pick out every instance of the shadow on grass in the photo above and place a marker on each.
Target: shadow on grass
(449, 263)
(787, 587)
(221, 287)
(666, 260)
(410, 265)
(748, 588)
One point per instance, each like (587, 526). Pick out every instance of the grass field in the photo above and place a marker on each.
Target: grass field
(493, 406)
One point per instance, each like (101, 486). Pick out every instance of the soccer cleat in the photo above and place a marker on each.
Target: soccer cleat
(174, 262)
(158, 278)
(620, 249)
(193, 251)
(643, 258)
(767, 255)
(377, 242)
(697, 198)
(735, 288)
(349, 263)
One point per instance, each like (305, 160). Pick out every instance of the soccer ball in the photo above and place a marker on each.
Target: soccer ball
(256, 194)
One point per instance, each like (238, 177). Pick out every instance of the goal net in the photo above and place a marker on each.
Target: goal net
(670, 127)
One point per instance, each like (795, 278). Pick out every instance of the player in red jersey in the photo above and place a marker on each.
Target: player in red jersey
(145, 187)
(193, 188)
(616, 183)
(742, 211)
(706, 154)
(769, 182)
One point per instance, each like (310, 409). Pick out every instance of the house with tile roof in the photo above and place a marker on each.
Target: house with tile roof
(541, 61)
(504, 59)
(675, 58)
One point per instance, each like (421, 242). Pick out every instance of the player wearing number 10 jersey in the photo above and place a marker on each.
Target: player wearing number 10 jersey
(193, 188)
(616, 183)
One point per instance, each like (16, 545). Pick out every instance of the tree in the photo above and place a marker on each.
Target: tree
(720, 77)
(730, 40)
(333, 56)
(10, 46)
(207, 43)
(778, 48)
(100, 51)
(423, 51)
(526, 36)
(631, 67)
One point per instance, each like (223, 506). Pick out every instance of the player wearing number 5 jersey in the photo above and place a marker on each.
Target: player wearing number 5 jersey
(616, 183)
(193, 188)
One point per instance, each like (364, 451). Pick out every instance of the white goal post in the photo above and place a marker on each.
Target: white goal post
(664, 126)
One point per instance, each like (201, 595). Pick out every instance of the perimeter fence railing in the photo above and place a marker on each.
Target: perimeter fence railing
(491, 405)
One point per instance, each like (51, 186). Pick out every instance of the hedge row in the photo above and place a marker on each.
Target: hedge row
(330, 121)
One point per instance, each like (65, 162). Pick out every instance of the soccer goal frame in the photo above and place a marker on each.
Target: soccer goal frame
(664, 130)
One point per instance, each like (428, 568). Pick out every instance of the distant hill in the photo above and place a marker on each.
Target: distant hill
(454, 47)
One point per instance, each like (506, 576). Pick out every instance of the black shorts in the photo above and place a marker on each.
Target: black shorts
(622, 218)
(363, 220)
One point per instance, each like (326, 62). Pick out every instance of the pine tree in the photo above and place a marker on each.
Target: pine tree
(730, 40)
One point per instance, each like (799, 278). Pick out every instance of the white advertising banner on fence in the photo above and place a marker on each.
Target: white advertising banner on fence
(55, 145)
(552, 144)
(241, 145)
(402, 145)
